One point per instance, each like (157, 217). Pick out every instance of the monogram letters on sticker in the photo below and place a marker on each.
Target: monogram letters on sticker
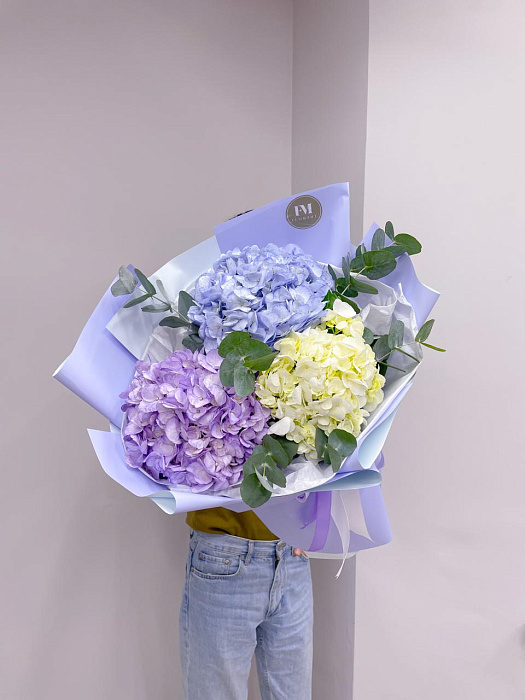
(304, 211)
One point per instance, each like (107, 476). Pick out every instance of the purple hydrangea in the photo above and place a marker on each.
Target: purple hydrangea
(183, 426)
(266, 291)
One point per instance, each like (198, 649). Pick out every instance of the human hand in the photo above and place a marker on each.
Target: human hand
(298, 552)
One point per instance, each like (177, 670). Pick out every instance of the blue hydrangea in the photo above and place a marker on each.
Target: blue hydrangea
(266, 291)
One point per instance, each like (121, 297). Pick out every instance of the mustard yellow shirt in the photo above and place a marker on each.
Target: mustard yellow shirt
(221, 521)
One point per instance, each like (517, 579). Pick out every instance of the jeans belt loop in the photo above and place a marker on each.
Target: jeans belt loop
(248, 556)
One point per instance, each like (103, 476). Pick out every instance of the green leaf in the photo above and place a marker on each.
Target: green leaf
(396, 334)
(186, 301)
(275, 450)
(253, 492)
(125, 284)
(404, 352)
(175, 322)
(257, 458)
(424, 331)
(358, 262)
(362, 287)
(433, 347)
(346, 268)
(342, 441)
(243, 380)
(148, 286)
(409, 243)
(262, 474)
(255, 349)
(162, 290)
(332, 273)
(137, 300)
(389, 230)
(234, 342)
(289, 446)
(368, 336)
(381, 348)
(379, 263)
(260, 363)
(118, 289)
(396, 250)
(321, 440)
(159, 308)
(193, 342)
(378, 239)
(227, 368)
(275, 475)
(347, 289)
(335, 458)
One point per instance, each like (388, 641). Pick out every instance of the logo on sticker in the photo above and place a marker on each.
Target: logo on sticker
(304, 211)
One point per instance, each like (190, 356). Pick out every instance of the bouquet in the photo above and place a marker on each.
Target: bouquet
(262, 369)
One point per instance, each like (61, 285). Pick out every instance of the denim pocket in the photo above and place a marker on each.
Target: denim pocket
(209, 563)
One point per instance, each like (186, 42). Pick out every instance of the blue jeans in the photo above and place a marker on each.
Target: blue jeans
(244, 596)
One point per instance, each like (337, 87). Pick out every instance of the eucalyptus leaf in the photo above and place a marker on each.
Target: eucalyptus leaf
(257, 458)
(396, 334)
(332, 273)
(335, 458)
(127, 277)
(148, 286)
(275, 450)
(162, 290)
(192, 342)
(137, 300)
(159, 308)
(275, 475)
(255, 349)
(262, 475)
(342, 441)
(186, 301)
(424, 331)
(253, 492)
(378, 239)
(409, 243)
(379, 263)
(433, 347)
(321, 440)
(243, 380)
(389, 230)
(175, 322)
(227, 368)
(346, 268)
(289, 446)
(363, 287)
(358, 262)
(125, 284)
(118, 289)
(396, 250)
(368, 336)
(381, 348)
(235, 341)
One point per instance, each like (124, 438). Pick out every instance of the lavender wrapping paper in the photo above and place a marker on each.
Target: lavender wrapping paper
(100, 368)
(327, 240)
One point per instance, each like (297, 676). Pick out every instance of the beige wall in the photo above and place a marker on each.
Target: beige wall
(127, 130)
(330, 60)
(440, 611)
